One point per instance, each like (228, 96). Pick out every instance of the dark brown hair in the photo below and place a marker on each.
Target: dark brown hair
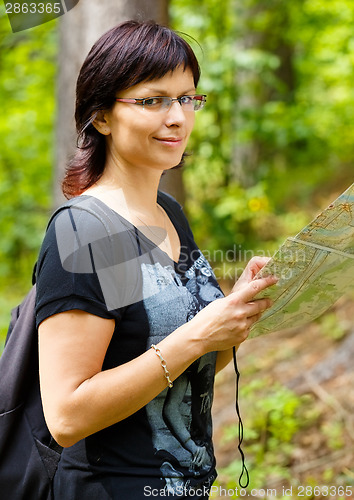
(128, 54)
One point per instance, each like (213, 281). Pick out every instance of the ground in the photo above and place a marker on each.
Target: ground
(315, 363)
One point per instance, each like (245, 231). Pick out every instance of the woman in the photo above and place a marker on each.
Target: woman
(132, 323)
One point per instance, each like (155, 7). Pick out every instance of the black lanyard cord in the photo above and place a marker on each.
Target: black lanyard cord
(240, 428)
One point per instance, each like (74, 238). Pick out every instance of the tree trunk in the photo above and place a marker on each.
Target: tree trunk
(255, 88)
(79, 29)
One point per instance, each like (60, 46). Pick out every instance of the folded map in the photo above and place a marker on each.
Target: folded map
(315, 268)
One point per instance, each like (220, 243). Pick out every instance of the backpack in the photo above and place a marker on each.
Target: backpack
(29, 455)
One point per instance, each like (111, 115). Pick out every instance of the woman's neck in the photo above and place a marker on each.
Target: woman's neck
(139, 185)
(128, 194)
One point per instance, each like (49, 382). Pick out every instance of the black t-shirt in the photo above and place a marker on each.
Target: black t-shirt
(94, 260)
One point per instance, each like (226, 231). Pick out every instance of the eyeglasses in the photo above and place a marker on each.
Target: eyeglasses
(162, 103)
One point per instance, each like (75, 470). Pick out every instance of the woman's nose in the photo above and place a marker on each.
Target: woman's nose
(175, 115)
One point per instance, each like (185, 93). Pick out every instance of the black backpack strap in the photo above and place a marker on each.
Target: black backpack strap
(68, 204)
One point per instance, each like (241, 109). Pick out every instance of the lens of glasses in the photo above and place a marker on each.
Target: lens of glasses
(193, 103)
(188, 103)
(199, 102)
(155, 103)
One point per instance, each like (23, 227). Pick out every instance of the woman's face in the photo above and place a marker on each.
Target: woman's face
(139, 137)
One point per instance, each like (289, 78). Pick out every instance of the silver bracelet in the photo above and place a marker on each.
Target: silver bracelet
(163, 364)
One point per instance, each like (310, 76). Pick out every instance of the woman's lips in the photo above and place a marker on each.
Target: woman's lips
(170, 141)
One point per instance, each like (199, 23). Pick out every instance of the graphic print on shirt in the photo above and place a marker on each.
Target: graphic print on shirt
(180, 417)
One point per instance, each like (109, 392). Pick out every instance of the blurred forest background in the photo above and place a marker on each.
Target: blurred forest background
(273, 147)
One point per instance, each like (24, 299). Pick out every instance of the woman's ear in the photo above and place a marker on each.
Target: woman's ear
(100, 122)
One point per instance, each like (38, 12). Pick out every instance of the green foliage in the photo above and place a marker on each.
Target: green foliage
(331, 326)
(274, 143)
(274, 420)
(27, 74)
(272, 146)
(334, 433)
(274, 416)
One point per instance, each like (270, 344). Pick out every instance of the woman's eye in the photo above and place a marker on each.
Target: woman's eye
(152, 101)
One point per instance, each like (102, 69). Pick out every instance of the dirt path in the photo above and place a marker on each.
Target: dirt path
(308, 361)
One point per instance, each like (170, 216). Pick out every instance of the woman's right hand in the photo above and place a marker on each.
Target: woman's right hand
(226, 322)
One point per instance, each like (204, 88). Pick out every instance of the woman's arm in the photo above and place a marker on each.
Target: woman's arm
(80, 399)
(223, 358)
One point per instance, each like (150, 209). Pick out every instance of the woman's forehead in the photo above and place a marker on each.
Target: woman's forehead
(179, 79)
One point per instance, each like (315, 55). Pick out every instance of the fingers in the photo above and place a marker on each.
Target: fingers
(250, 271)
(248, 291)
(256, 264)
(227, 322)
(253, 318)
(257, 307)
